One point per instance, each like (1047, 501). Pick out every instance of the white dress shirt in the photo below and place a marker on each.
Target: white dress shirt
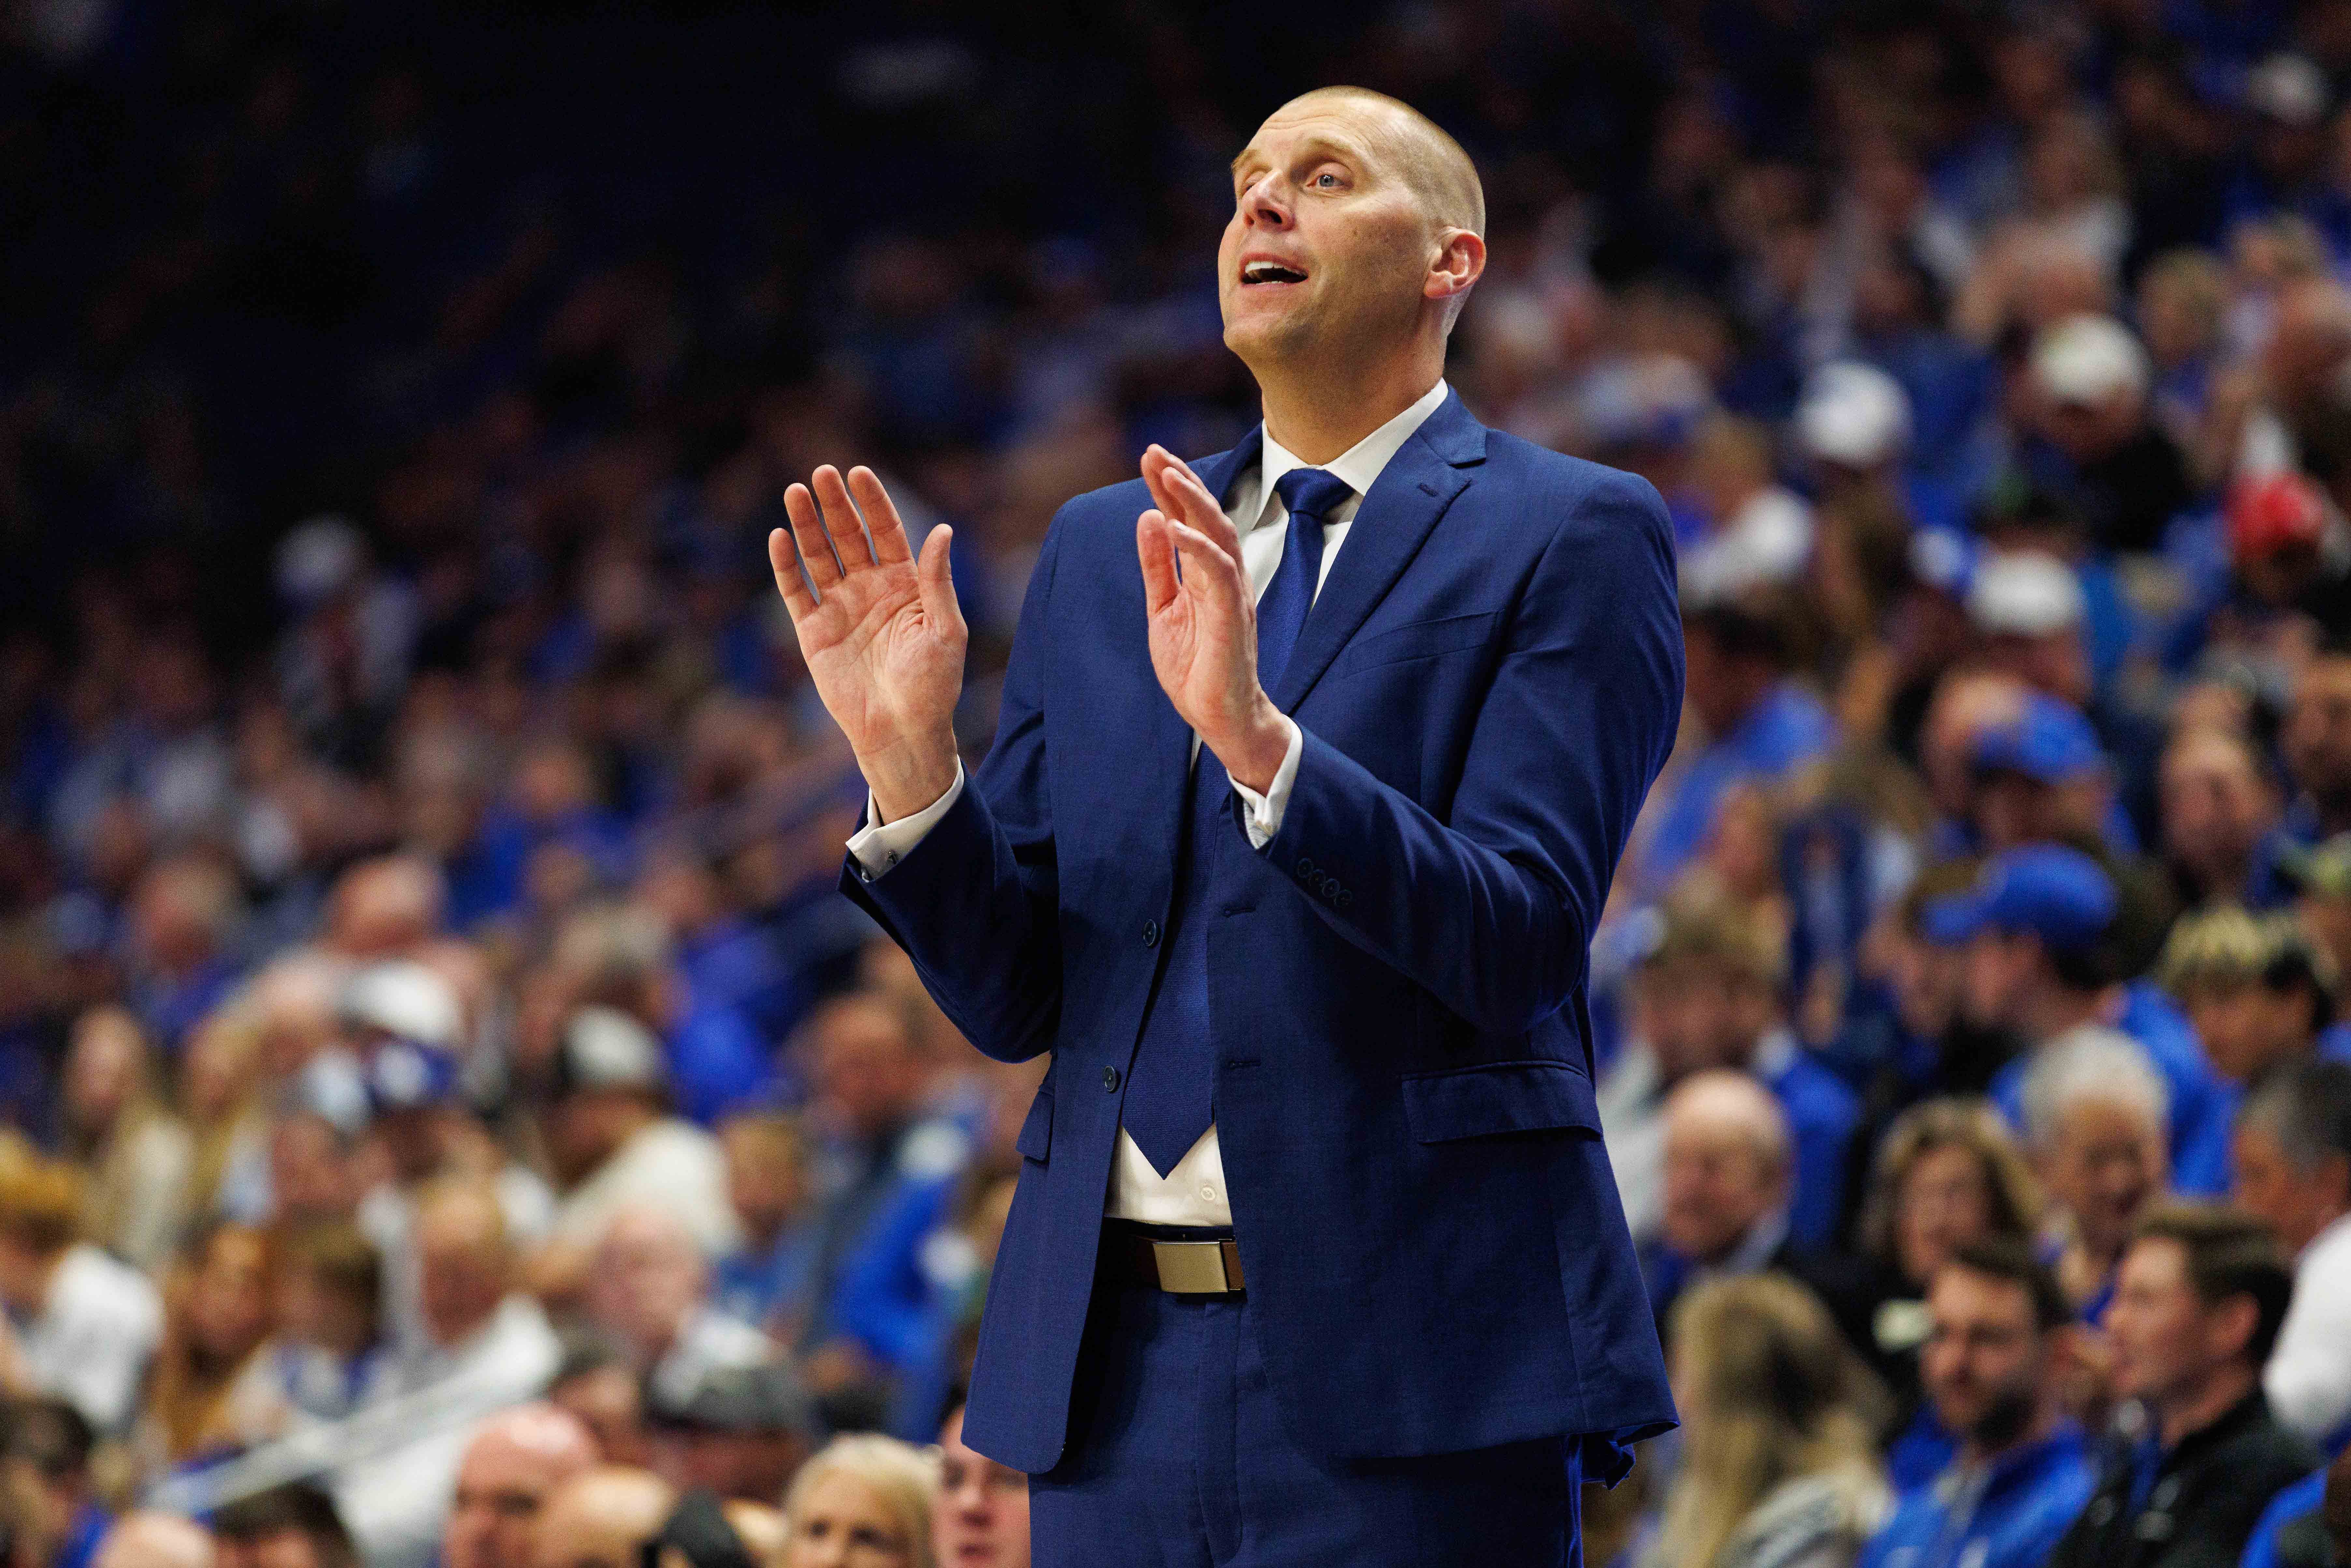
(1193, 1193)
(2309, 1374)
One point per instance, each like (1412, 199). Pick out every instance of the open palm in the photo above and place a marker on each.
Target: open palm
(1202, 618)
(881, 634)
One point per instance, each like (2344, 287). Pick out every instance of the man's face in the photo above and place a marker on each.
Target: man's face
(460, 1270)
(1717, 1185)
(2106, 1161)
(2317, 738)
(2165, 1338)
(867, 1070)
(981, 1519)
(1926, 980)
(1320, 194)
(1985, 1358)
(500, 1488)
(2297, 1205)
(2230, 1021)
(2215, 808)
(1997, 973)
(1696, 1014)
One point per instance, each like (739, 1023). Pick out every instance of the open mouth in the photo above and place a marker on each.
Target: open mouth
(1257, 273)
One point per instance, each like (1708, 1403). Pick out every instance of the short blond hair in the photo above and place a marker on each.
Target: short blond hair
(905, 1477)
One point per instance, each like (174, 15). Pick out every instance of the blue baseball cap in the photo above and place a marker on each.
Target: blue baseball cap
(410, 1075)
(2059, 894)
(2050, 741)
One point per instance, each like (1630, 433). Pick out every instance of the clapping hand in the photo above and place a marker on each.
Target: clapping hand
(1202, 620)
(881, 634)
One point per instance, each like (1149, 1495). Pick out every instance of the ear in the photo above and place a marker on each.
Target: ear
(1460, 262)
(2229, 1327)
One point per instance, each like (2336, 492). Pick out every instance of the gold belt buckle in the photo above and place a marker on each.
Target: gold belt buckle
(1196, 1267)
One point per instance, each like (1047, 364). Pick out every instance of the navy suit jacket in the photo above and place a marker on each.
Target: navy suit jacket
(1487, 682)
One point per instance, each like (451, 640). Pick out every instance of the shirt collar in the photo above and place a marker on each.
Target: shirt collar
(1361, 465)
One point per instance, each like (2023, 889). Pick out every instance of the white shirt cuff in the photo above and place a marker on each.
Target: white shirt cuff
(1265, 811)
(880, 846)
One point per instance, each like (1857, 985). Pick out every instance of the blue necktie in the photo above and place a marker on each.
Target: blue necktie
(1170, 1094)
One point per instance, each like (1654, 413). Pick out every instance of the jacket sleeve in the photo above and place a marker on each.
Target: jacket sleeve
(1492, 910)
(975, 904)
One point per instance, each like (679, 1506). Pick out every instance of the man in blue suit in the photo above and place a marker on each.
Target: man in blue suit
(1315, 1256)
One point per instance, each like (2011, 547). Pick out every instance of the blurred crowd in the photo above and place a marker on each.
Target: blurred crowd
(451, 1115)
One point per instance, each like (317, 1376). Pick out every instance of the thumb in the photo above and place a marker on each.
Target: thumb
(936, 583)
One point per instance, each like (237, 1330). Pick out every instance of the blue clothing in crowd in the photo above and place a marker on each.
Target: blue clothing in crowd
(1822, 1112)
(766, 1285)
(1788, 728)
(2261, 1546)
(2006, 1514)
(2201, 1099)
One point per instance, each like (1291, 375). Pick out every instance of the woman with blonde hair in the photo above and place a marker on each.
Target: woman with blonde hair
(1778, 1467)
(139, 1155)
(862, 1501)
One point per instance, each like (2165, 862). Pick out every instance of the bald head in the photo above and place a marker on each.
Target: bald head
(151, 1540)
(1433, 164)
(514, 1463)
(1727, 1163)
(601, 1518)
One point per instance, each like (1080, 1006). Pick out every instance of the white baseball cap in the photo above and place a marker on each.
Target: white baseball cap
(2087, 359)
(1853, 414)
(2023, 593)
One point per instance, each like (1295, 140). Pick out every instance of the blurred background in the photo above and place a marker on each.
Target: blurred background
(422, 990)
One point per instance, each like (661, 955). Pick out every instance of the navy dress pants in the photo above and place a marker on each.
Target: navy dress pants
(1177, 1459)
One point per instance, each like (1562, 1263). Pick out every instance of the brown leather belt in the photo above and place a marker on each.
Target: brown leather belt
(1181, 1263)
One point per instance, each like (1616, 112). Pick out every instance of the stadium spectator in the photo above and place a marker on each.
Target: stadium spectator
(2258, 992)
(137, 1154)
(1778, 1461)
(2034, 928)
(51, 1506)
(596, 1383)
(2220, 808)
(1707, 996)
(1728, 1170)
(329, 1348)
(601, 1518)
(293, 1526)
(981, 1513)
(1990, 1363)
(514, 1462)
(2093, 1118)
(2293, 1173)
(2197, 1308)
(648, 1289)
(771, 1183)
(2316, 743)
(865, 1495)
(81, 1326)
(611, 1144)
(150, 1539)
(203, 1399)
(738, 1432)
(2322, 876)
(1948, 1177)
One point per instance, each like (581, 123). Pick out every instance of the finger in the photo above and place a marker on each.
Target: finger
(840, 525)
(882, 519)
(1183, 495)
(782, 556)
(935, 581)
(1152, 543)
(1201, 554)
(807, 533)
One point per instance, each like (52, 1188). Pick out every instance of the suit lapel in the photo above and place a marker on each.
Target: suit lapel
(1404, 503)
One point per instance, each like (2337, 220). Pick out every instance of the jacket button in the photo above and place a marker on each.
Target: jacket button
(1110, 1079)
(1151, 933)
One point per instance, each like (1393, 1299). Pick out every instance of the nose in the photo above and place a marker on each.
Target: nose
(1264, 206)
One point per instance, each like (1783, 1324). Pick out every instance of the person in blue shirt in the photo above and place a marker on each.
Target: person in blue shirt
(1763, 726)
(2298, 1531)
(1996, 1341)
(2039, 965)
(770, 1184)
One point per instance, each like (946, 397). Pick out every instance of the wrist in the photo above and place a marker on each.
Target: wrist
(1256, 753)
(909, 779)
